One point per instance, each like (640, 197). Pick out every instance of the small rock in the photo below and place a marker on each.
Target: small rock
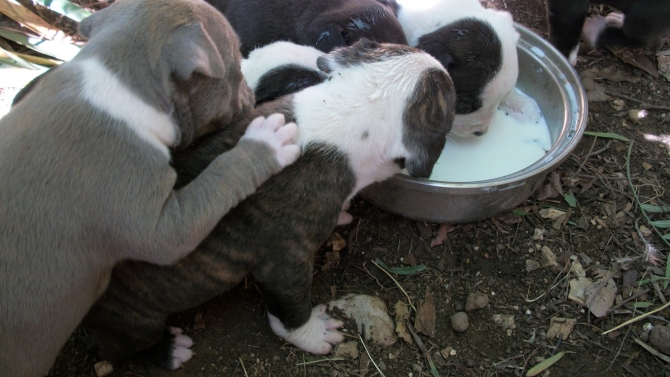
(646, 166)
(371, 313)
(538, 234)
(459, 322)
(103, 368)
(635, 114)
(618, 104)
(505, 321)
(476, 301)
(448, 352)
(532, 265)
(548, 257)
(347, 350)
(551, 213)
(660, 338)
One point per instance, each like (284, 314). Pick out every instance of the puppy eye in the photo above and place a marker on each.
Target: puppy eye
(346, 37)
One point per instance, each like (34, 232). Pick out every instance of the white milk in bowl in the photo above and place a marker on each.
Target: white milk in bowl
(518, 136)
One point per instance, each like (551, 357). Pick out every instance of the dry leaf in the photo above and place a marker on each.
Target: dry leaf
(425, 316)
(600, 297)
(560, 326)
(551, 213)
(338, 242)
(332, 260)
(401, 314)
(409, 260)
(630, 56)
(555, 180)
(595, 92)
(442, 234)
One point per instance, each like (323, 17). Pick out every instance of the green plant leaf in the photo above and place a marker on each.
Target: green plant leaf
(608, 135)
(654, 209)
(641, 305)
(541, 367)
(409, 270)
(661, 223)
(570, 199)
(519, 212)
(653, 278)
(59, 50)
(65, 8)
(10, 58)
(666, 236)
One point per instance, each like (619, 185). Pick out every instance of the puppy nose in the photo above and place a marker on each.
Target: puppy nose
(479, 133)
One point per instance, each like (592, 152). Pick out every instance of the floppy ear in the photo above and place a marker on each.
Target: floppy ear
(191, 49)
(326, 38)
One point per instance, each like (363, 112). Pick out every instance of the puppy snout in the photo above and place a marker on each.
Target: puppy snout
(479, 133)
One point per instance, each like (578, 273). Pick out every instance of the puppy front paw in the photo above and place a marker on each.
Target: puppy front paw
(317, 336)
(279, 136)
(181, 345)
(593, 27)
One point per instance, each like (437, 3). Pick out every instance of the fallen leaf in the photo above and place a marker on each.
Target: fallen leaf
(629, 55)
(595, 92)
(425, 230)
(551, 213)
(338, 242)
(646, 166)
(442, 234)
(560, 326)
(555, 179)
(599, 296)
(548, 191)
(408, 260)
(332, 260)
(409, 270)
(609, 135)
(401, 314)
(425, 316)
(541, 367)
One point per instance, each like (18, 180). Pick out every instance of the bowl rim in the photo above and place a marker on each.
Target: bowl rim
(570, 80)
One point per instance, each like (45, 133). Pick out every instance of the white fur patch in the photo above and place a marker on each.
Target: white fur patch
(317, 336)
(418, 18)
(263, 60)
(366, 99)
(107, 93)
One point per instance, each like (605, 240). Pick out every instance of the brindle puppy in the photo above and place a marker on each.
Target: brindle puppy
(382, 107)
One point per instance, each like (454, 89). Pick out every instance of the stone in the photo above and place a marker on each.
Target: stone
(371, 313)
(505, 321)
(459, 322)
(476, 301)
(659, 337)
(347, 350)
(103, 368)
(532, 265)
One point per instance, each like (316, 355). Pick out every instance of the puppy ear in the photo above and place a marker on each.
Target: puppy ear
(191, 49)
(93, 23)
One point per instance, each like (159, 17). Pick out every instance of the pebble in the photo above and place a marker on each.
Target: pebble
(476, 301)
(660, 338)
(103, 368)
(459, 322)
(347, 350)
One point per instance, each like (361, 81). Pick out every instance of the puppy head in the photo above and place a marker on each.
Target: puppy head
(192, 54)
(349, 21)
(406, 87)
(480, 56)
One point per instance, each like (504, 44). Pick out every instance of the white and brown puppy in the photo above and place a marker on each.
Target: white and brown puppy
(281, 68)
(382, 107)
(476, 45)
(641, 23)
(85, 170)
(322, 24)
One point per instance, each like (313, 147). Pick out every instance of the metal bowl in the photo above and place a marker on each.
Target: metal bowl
(546, 76)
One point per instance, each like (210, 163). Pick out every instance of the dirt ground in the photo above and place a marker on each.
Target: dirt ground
(605, 232)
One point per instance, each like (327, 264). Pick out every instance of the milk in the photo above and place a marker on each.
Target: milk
(517, 137)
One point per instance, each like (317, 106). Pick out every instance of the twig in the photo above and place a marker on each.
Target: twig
(644, 104)
(624, 302)
(243, 368)
(370, 356)
(423, 349)
(396, 282)
(643, 316)
(652, 351)
(320, 361)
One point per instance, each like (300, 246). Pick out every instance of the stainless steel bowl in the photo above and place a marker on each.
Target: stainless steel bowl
(546, 76)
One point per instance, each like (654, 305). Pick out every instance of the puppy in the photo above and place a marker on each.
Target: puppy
(281, 68)
(641, 23)
(323, 24)
(477, 46)
(84, 160)
(382, 107)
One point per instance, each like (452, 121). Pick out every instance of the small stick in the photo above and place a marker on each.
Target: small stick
(370, 356)
(423, 349)
(624, 302)
(320, 361)
(243, 368)
(652, 351)
(643, 316)
(644, 104)
(396, 282)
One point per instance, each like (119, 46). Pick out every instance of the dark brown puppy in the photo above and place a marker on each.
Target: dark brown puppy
(640, 23)
(323, 24)
(382, 106)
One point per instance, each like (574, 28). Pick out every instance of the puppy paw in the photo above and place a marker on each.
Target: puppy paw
(279, 136)
(181, 345)
(615, 19)
(317, 336)
(593, 27)
(344, 218)
(521, 107)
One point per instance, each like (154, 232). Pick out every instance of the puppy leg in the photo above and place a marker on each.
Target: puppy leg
(286, 288)
(566, 19)
(345, 217)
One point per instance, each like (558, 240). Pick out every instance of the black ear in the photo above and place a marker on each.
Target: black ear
(286, 80)
(191, 49)
(427, 120)
(326, 37)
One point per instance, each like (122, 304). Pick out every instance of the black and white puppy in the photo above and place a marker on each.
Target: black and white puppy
(476, 45)
(323, 24)
(383, 107)
(281, 68)
(86, 180)
(641, 23)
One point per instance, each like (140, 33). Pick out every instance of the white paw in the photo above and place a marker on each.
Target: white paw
(593, 27)
(317, 336)
(344, 218)
(521, 107)
(573, 56)
(180, 352)
(279, 136)
(615, 19)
